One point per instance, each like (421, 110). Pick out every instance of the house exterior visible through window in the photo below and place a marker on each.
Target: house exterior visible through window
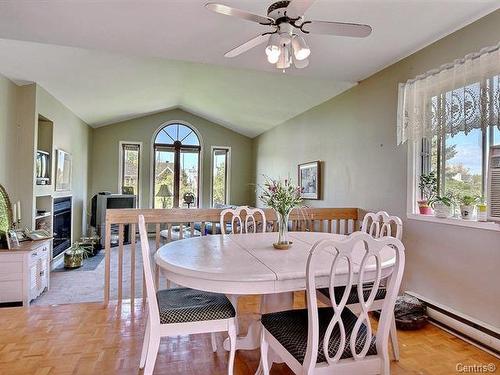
(220, 176)
(460, 158)
(176, 167)
(130, 168)
(451, 117)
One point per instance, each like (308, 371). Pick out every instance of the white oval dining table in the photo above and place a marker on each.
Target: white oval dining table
(244, 264)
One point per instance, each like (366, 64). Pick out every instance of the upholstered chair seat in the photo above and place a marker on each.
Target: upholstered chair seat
(183, 305)
(290, 329)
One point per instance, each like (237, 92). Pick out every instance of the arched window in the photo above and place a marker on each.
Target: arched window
(176, 167)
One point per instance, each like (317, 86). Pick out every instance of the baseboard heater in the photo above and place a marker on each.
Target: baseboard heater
(475, 332)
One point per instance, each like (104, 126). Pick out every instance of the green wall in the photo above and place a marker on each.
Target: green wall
(354, 134)
(72, 135)
(105, 151)
(8, 139)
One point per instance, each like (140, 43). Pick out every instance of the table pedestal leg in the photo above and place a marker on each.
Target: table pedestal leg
(269, 303)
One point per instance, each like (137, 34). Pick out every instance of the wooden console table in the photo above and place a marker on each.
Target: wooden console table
(24, 271)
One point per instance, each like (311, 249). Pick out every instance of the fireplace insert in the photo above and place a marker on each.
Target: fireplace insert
(62, 225)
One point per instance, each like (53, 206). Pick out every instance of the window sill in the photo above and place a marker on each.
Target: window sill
(458, 222)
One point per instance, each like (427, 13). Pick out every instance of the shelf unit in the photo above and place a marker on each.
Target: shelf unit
(43, 195)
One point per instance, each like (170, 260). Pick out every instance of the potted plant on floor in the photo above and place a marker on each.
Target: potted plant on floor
(74, 256)
(428, 190)
(467, 204)
(441, 206)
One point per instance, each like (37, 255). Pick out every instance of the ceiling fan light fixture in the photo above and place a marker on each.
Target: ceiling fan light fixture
(273, 58)
(285, 60)
(301, 64)
(273, 49)
(300, 49)
(285, 38)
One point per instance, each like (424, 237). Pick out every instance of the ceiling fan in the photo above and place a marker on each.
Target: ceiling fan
(285, 43)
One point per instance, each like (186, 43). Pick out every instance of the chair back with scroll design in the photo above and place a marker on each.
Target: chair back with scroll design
(243, 219)
(370, 269)
(381, 224)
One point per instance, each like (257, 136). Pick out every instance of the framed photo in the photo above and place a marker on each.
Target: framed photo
(310, 180)
(63, 171)
(14, 241)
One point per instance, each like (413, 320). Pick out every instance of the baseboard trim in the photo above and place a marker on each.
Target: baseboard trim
(473, 331)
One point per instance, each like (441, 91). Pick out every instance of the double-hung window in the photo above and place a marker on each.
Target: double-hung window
(220, 176)
(130, 159)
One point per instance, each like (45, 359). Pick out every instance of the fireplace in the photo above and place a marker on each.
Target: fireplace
(62, 225)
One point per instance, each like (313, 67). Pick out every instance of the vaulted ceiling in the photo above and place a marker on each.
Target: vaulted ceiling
(112, 60)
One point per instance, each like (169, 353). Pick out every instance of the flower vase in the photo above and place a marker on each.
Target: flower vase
(283, 243)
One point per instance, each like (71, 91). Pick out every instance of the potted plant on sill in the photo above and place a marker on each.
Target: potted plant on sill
(441, 206)
(467, 205)
(428, 190)
(74, 256)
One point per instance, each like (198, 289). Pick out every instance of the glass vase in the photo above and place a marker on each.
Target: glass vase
(283, 228)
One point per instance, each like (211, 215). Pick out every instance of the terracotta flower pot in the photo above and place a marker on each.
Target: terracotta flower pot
(424, 208)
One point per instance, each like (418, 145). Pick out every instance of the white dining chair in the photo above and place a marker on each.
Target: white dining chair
(378, 225)
(381, 224)
(243, 219)
(333, 339)
(181, 311)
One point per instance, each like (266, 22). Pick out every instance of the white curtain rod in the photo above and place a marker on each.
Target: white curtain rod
(470, 56)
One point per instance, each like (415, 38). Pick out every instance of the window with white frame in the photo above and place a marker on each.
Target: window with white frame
(130, 155)
(460, 160)
(220, 176)
(450, 117)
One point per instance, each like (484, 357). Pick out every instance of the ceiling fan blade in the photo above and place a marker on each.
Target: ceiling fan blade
(297, 8)
(354, 30)
(233, 12)
(254, 42)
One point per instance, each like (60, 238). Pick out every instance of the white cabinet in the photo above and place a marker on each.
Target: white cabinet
(24, 272)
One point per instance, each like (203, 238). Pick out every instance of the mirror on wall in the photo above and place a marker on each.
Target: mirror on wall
(5, 217)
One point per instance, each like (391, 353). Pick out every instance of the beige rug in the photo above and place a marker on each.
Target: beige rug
(88, 286)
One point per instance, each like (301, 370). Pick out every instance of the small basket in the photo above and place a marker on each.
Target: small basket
(409, 313)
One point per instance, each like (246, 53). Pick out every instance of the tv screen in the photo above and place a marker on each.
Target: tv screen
(120, 202)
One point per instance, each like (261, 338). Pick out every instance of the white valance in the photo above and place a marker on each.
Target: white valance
(455, 98)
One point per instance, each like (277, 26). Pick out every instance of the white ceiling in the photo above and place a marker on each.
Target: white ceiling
(137, 57)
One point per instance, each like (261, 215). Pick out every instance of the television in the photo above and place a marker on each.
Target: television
(100, 203)
(42, 168)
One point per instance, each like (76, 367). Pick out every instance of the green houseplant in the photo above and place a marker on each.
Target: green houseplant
(467, 205)
(428, 190)
(74, 256)
(282, 196)
(442, 206)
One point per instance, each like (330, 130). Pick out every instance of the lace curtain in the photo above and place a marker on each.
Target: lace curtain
(455, 98)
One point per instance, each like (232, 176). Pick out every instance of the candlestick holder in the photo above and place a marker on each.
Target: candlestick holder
(16, 224)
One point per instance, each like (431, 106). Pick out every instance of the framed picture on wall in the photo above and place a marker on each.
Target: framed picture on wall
(310, 180)
(63, 171)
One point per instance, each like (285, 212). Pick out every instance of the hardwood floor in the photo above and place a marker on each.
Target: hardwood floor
(84, 339)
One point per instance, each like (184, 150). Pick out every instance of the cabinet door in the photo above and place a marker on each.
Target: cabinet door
(42, 264)
(34, 280)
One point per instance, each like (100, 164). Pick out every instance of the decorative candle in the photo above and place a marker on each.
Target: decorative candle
(19, 211)
(14, 212)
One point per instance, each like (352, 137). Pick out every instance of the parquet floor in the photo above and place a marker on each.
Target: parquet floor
(84, 339)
